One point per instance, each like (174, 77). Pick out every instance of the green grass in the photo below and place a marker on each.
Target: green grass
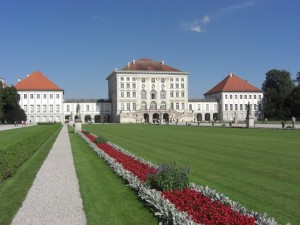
(14, 190)
(106, 198)
(259, 168)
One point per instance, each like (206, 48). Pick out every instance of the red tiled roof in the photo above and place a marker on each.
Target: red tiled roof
(232, 83)
(149, 65)
(37, 81)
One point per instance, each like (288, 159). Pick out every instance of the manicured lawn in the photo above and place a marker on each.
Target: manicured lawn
(14, 190)
(259, 168)
(106, 198)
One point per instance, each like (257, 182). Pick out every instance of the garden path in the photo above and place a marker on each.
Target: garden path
(54, 197)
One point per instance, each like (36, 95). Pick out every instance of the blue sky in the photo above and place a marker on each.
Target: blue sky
(77, 43)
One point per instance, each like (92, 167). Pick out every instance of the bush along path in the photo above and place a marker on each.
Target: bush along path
(174, 202)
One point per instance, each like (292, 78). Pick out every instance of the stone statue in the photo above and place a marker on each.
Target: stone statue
(248, 110)
(78, 111)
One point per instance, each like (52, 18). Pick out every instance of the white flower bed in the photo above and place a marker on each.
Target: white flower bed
(161, 207)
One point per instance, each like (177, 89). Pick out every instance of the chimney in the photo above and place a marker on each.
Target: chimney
(128, 64)
(162, 62)
(230, 74)
(133, 61)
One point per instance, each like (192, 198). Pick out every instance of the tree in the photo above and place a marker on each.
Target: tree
(1, 104)
(11, 109)
(298, 78)
(277, 88)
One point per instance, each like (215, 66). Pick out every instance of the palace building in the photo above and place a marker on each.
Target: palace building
(144, 91)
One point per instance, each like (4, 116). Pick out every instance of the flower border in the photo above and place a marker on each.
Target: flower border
(161, 207)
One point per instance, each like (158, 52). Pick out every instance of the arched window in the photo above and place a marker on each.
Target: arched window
(143, 94)
(153, 94)
(163, 105)
(162, 95)
(153, 105)
(182, 94)
(171, 94)
(177, 94)
(143, 105)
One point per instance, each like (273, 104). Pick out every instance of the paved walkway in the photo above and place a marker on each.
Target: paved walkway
(54, 197)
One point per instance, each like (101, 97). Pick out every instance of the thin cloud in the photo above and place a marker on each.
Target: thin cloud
(196, 25)
(206, 19)
(240, 6)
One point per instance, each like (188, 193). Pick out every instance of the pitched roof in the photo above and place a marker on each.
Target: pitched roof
(232, 83)
(149, 65)
(36, 82)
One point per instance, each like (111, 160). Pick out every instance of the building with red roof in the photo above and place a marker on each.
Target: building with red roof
(41, 99)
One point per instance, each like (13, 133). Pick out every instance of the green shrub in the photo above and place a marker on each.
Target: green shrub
(99, 140)
(85, 132)
(169, 177)
(15, 152)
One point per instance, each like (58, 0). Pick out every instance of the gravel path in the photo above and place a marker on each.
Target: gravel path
(54, 197)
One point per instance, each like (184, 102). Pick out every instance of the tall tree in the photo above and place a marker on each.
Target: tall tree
(277, 88)
(11, 108)
(1, 104)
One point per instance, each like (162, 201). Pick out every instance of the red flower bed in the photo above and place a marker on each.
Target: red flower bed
(205, 211)
(141, 170)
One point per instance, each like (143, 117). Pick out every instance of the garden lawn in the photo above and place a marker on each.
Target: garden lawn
(259, 168)
(14, 190)
(106, 198)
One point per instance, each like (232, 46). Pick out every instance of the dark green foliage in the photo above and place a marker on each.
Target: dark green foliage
(85, 132)
(277, 87)
(169, 177)
(16, 151)
(100, 140)
(46, 123)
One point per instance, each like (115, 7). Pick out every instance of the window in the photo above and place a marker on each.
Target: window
(190, 107)
(226, 107)
(153, 95)
(182, 79)
(182, 85)
(31, 96)
(225, 96)
(177, 85)
(143, 94)
(38, 108)
(255, 106)
(122, 78)
(245, 96)
(241, 106)
(235, 96)
(134, 94)
(231, 107)
(162, 80)
(31, 108)
(51, 108)
(250, 96)
(171, 86)
(128, 94)
(133, 79)
(51, 96)
(182, 106)
(68, 108)
(172, 105)
(143, 105)
(171, 79)
(207, 107)
(182, 94)
(259, 97)
(122, 85)
(177, 105)
(246, 106)
(134, 106)
(133, 85)
(162, 95)
(199, 107)
(122, 106)
(57, 108)
(128, 106)
(87, 107)
(153, 105)
(177, 94)
(152, 80)
(127, 78)
(254, 96)
(230, 96)
(177, 79)
(241, 96)
(57, 96)
(122, 94)
(38, 96)
(25, 108)
(44, 108)
(235, 106)
(171, 94)
(128, 85)
(44, 96)
(162, 105)
(143, 80)
(25, 96)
